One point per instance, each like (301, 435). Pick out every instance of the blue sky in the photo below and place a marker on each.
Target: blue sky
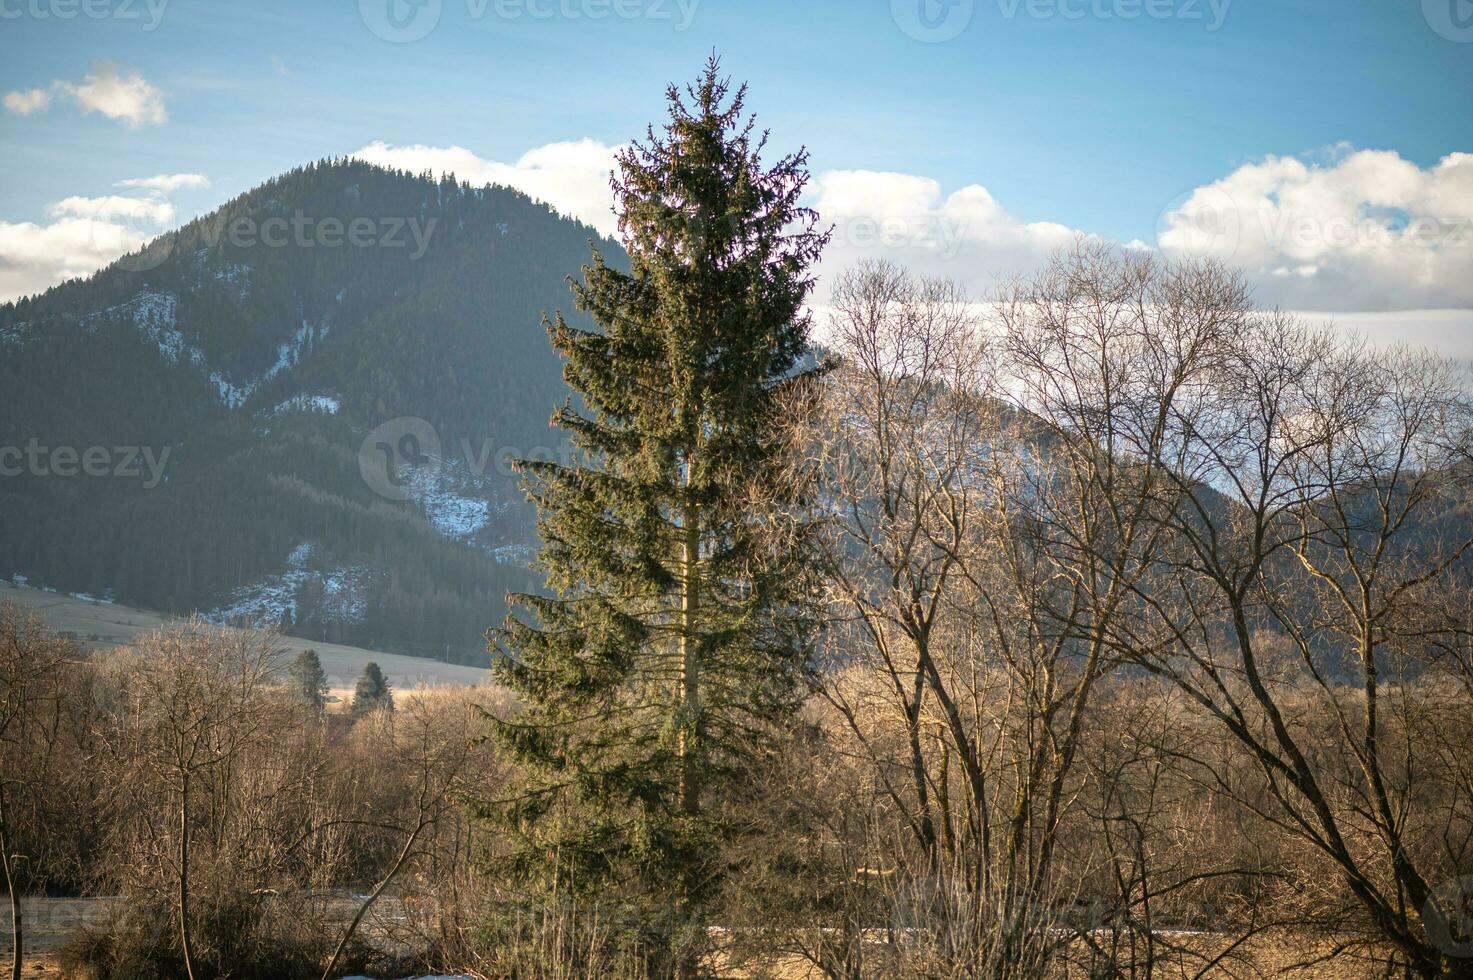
(1095, 115)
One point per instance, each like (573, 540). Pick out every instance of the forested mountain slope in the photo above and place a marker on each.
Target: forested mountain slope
(193, 420)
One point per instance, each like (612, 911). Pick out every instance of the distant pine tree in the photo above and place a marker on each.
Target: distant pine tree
(309, 681)
(372, 692)
(672, 648)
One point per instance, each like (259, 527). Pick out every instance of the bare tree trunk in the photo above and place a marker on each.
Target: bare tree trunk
(404, 853)
(12, 886)
(185, 940)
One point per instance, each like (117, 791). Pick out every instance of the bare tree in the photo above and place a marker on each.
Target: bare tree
(195, 697)
(428, 745)
(1298, 505)
(31, 661)
(900, 440)
(969, 575)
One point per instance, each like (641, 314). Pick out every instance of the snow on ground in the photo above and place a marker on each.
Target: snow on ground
(234, 272)
(515, 554)
(454, 500)
(235, 394)
(15, 334)
(309, 403)
(156, 317)
(274, 598)
(23, 581)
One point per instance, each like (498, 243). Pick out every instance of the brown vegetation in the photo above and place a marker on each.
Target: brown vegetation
(1149, 651)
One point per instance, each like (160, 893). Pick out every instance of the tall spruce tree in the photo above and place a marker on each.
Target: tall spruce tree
(673, 643)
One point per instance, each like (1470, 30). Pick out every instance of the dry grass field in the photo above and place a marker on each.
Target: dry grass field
(96, 625)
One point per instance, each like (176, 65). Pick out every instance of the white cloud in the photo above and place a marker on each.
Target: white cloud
(1413, 285)
(83, 235)
(571, 176)
(27, 102)
(121, 94)
(1366, 231)
(34, 257)
(128, 97)
(966, 235)
(166, 183)
(109, 209)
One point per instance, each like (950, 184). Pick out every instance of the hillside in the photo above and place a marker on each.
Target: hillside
(97, 625)
(225, 381)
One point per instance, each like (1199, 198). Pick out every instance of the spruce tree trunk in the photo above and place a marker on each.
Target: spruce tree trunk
(690, 666)
(690, 706)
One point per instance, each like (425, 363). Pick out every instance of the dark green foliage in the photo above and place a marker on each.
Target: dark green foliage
(674, 641)
(372, 691)
(309, 680)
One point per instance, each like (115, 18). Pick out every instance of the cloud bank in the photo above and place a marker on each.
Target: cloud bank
(83, 234)
(1361, 236)
(965, 235)
(1366, 231)
(572, 176)
(34, 257)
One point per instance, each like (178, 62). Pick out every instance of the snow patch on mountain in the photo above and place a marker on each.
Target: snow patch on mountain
(325, 404)
(273, 600)
(155, 315)
(233, 272)
(234, 395)
(455, 501)
(522, 555)
(14, 335)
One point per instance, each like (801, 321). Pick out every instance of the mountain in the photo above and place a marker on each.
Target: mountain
(296, 409)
